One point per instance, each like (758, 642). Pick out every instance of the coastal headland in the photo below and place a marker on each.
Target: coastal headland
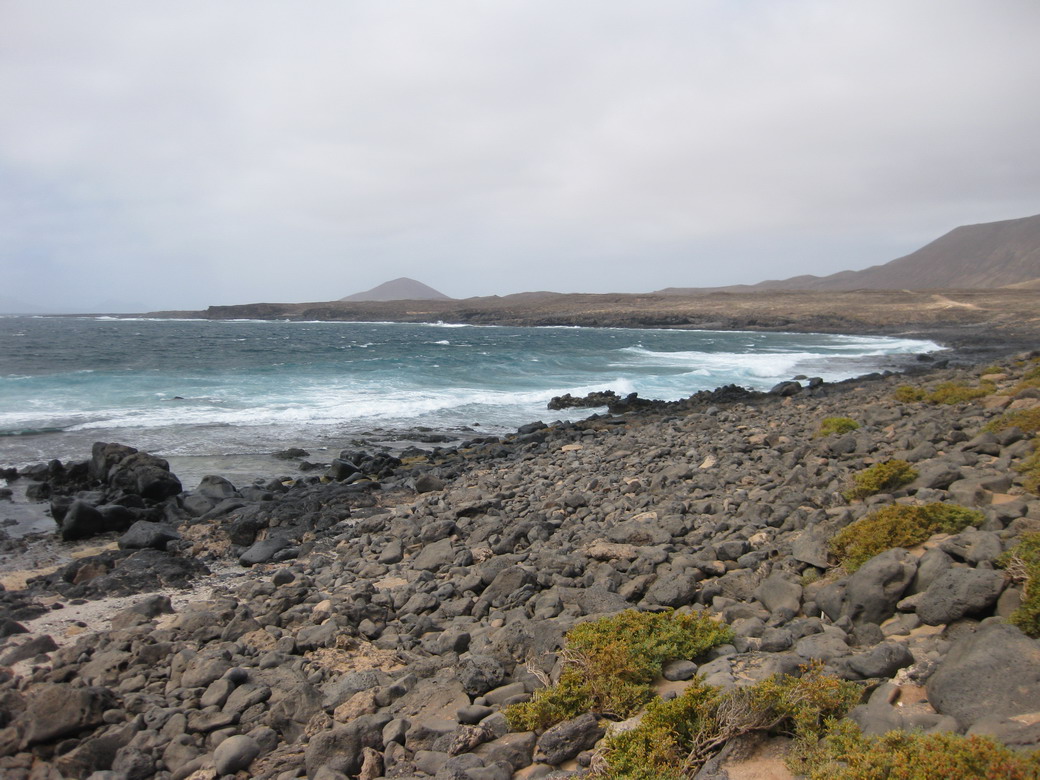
(1006, 316)
(865, 548)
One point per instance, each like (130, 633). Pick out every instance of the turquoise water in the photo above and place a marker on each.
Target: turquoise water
(207, 389)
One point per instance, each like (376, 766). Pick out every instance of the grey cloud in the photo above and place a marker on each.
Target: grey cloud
(195, 153)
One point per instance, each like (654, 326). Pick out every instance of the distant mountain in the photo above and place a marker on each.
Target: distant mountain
(16, 306)
(402, 289)
(986, 256)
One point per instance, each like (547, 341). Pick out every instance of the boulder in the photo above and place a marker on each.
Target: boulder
(511, 587)
(234, 754)
(341, 748)
(480, 673)
(674, 590)
(341, 469)
(61, 710)
(786, 388)
(145, 475)
(117, 517)
(104, 457)
(566, 740)
(263, 551)
(937, 475)
(958, 593)
(882, 660)
(991, 673)
(435, 556)
(810, 546)
(34, 647)
(873, 591)
(82, 521)
(776, 592)
(215, 488)
(145, 534)
(428, 483)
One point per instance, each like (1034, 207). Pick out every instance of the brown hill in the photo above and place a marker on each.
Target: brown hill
(402, 289)
(985, 256)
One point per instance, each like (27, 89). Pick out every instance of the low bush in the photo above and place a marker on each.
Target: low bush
(944, 393)
(1023, 564)
(847, 754)
(909, 394)
(898, 525)
(610, 663)
(1030, 470)
(836, 425)
(958, 393)
(1026, 419)
(1032, 369)
(1025, 384)
(887, 475)
(674, 738)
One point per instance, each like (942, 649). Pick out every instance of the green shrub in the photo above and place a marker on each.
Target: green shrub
(810, 575)
(847, 754)
(1025, 384)
(884, 476)
(833, 425)
(898, 525)
(674, 738)
(802, 707)
(611, 662)
(659, 747)
(1030, 470)
(1023, 564)
(1026, 419)
(957, 393)
(944, 393)
(909, 394)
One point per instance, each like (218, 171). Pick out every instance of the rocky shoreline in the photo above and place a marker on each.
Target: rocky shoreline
(379, 621)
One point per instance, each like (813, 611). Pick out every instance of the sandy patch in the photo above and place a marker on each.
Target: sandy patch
(389, 583)
(356, 658)
(766, 764)
(74, 619)
(70, 621)
(45, 556)
(943, 302)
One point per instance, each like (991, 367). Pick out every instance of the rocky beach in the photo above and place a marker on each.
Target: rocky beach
(386, 618)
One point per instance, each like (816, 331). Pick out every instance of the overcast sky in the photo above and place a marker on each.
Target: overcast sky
(178, 154)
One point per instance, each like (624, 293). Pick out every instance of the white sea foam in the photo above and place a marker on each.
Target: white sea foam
(207, 387)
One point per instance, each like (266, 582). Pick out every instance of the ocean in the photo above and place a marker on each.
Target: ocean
(222, 396)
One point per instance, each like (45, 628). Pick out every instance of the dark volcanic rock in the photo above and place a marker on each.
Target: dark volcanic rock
(123, 573)
(958, 593)
(34, 647)
(341, 747)
(82, 521)
(993, 672)
(565, 740)
(590, 401)
(480, 673)
(144, 534)
(874, 589)
(62, 710)
(145, 475)
(234, 754)
(263, 551)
